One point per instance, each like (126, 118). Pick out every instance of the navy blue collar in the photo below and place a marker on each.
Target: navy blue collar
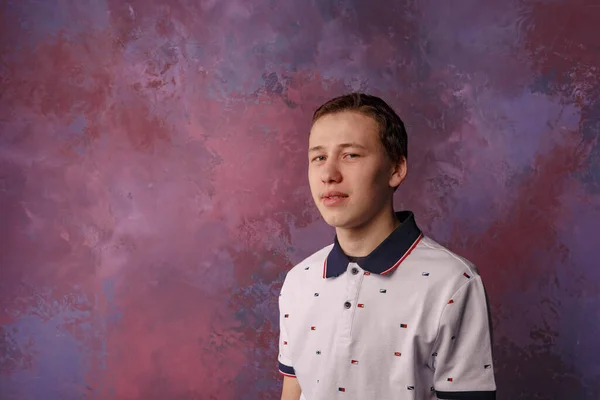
(386, 257)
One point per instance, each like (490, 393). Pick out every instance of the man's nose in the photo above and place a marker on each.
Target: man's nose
(331, 172)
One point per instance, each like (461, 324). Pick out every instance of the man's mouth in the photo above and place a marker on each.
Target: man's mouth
(333, 197)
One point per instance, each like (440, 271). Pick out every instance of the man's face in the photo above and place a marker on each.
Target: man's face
(350, 175)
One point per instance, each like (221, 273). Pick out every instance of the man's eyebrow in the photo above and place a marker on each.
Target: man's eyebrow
(343, 145)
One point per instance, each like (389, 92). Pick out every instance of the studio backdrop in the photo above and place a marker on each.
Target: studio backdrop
(153, 181)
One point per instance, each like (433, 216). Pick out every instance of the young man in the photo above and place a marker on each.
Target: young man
(384, 312)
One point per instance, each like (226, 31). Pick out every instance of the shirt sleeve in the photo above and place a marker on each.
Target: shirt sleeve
(462, 357)
(285, 362)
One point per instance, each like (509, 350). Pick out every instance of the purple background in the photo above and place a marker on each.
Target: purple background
(153, 185)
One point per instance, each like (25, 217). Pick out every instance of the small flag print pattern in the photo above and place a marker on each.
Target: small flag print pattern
(467, 275)
(397, 354)
(403, 326)
(425, 274)
(450, 379)
(342, 389)
(354, 362)
(361, 306)
(382, 291)
(451, 301)
(313, 328)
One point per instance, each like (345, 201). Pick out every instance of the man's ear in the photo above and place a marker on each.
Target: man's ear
(398, 172)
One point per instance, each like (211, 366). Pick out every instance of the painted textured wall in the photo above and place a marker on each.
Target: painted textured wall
(153, 187)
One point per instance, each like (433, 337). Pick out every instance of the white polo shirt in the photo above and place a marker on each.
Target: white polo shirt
(409, 321)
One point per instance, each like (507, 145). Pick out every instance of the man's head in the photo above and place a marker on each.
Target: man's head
(357, 147)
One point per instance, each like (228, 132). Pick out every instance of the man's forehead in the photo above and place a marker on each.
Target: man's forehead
(342, 138)
(349, 125)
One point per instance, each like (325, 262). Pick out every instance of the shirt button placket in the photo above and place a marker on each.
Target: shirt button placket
(354, 278)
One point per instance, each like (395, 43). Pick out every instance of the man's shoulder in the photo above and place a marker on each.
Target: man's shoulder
(444, 260)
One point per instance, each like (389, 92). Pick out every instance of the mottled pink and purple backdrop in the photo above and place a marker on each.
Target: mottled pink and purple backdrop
(153, 185)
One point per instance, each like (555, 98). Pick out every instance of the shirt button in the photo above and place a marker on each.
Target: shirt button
(354, 271)
(347, 304)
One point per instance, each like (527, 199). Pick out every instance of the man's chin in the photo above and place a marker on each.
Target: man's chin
(336, 220)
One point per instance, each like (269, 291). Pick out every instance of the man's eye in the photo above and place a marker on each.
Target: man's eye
(318, 158)
(352, 155)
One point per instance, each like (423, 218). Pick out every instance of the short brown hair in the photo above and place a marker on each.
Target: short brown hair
(391, 128)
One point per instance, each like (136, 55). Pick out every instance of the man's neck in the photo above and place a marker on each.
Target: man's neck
(360, 242)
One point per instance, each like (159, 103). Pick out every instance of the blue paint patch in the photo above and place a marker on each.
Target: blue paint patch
(327, 9)
(78, 125)
(590, 130)
(262, 302)
(59, 365)
(532, 121)
(79, 149)
(576, 283)
(114, 312)
(76, 131)
(108, 289)
(40, 19)
(195, 50)
(544, 83)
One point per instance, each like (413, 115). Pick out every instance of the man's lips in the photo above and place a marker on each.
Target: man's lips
(333, 198)
(333, 195)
